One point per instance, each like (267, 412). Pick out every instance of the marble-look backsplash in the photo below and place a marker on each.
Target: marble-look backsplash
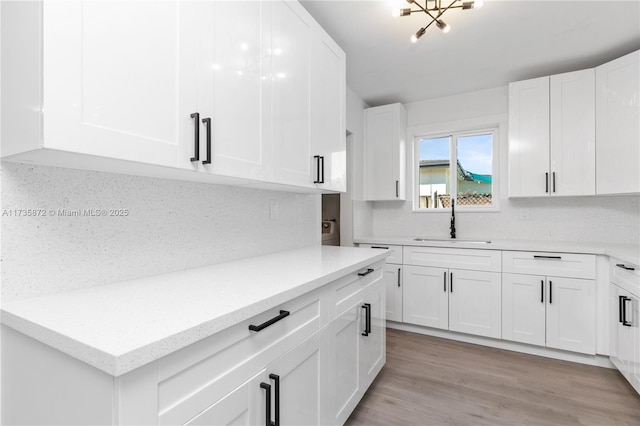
(152, 226)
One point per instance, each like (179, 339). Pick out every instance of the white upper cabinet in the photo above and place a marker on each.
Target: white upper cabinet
(328, 104)
(552, 135)
(618, 125)
(291, 108)
(225, 92)
(107, 85)
(385, 152)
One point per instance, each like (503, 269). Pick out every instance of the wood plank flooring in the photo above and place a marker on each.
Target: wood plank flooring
(433, 381)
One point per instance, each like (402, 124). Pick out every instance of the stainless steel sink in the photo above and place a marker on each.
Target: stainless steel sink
(451, 240)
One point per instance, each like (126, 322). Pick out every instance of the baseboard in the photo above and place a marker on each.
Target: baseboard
(595, 360)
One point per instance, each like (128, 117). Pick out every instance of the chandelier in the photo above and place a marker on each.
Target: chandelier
(435, 9)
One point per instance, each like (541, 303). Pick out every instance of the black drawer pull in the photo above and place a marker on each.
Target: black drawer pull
(536, 256)
(364, 274)
(272, 321)
(380, 247)
(623, 266)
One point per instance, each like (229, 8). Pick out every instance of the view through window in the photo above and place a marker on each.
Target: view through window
(460, 165)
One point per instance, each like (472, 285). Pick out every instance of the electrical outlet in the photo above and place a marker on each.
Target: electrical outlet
(273, 209)
(524, 214)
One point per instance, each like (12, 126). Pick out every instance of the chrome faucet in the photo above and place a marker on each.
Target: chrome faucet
(453, 219)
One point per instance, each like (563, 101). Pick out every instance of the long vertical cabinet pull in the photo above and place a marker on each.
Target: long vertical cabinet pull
(399, 277)
(541, 291)
(451, 282)
(553, 183)
(267, 403)
(367, 319)
(397, 189)
(319, 169)
(621, 315)
(546, 182)
(207, 124)
(444, 279)
(196, 136)
(550, 292)
(623, 311)
(276, 382)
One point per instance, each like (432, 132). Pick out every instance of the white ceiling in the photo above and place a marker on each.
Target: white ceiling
(505, 40)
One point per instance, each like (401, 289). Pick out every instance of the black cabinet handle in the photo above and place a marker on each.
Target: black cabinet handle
(553, 187)
(364, 274)
(380, 247)
(444, 280)
(624, 311)
(367, 319)
(546, 182)
(272, 321)
(535, 256)
(276, 382)
(397, 191)
(267, 403)
(541, 291)
(207, 124)
(196, 136)
(621, 309)
(623, 266)
(550, 292)
(398, 277)
(451, 282)
(319, 169)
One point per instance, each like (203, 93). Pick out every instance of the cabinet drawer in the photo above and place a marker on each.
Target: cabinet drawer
(554, 264)
(352, 287)
(191, 379)
(476, 260)
(396, 251)
(626, 275)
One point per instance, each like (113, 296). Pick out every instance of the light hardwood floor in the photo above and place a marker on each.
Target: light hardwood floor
(433, 381)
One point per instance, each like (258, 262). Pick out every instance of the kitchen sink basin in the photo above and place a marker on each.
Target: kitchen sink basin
(451, 240)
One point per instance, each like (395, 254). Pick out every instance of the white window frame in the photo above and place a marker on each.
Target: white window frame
(494, 125)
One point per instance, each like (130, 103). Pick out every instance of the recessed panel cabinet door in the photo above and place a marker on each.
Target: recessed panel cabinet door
(426, 296)
(245, 405)
(373, 354)
(475, 302)
(571, 312)
(393, 288)
(233, 66)
(290, 80)
(117, 80)
(524, 308)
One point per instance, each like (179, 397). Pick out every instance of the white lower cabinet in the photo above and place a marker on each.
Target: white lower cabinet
(392, 280)
(624, 311)
(357, 345)
(556, 312)
(453, 299)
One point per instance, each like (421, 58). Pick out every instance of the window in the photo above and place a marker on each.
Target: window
(459, 166)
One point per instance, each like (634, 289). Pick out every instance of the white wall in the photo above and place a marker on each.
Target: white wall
(351, 204)
(612, 219)
(171, 225)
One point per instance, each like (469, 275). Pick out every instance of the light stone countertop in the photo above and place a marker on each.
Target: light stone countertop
(122, 326)
(624, 252)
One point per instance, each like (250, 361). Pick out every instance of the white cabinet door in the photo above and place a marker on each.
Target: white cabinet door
(110, 80)
(618, 125)
(385, 151)
(529, 138)
(229, 41)
(245, 405)
(299, 372)
(571, 313)
(393, 288)
(290, 80)
(475, 302)
(372, 346)
(425, 296)
(572, 124)
(633, 318)
(344, 364)
(524, 308)
(328, 94)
